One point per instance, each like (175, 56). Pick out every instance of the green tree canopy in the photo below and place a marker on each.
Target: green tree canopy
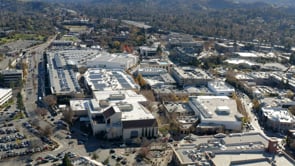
(292, 59)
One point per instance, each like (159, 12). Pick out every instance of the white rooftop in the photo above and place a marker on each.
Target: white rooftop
(131, 98)
(246, 54)
(3, 92)
(278, 114)
(220, 85)
(189, 73)
(103, 79)
(238, 61)
(94, 57)
(221, 108)
(78, 105)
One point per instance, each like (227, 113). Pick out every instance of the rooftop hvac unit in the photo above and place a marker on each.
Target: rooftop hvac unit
(103, 103)
(117, 96)
(125, 107)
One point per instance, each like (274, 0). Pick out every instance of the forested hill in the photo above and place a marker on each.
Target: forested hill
(196, 4)
(285, 3)
(26, 17)
(218, 18)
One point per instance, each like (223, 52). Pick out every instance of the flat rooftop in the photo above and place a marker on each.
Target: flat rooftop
(104, 79)
(222, 108)
(220, 85)
(177, 107)
(62, 80)
(130, 99)
(92, 57)
(278, 114)
(189, 73)
(229, 150)
(103, 58)
(4, 91)
(246, 54)
(78, 105)
(76, 56)
(11, 71)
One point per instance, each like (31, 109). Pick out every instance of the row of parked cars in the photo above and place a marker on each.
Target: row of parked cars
(9, 130)
(11, 138)
(52, 158)
(119, 158)
(29, 127)
(12, 146)
(12, 153)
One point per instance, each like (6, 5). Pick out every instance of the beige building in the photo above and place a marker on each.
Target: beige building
(120, 114)
(216, 113)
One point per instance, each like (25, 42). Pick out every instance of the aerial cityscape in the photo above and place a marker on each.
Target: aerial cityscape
(147, 83)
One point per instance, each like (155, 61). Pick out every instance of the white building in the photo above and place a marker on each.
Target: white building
(120, 114)
(157, 64)
(220, 88)
(187, 76)
(104, 79)
(113, 61)
(146, 51)
(95, 58)
(216, 112)
(151, 71)
(5, 95)
(278, 119)
(63, 80)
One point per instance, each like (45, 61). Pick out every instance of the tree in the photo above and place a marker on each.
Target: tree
(35, 122)
(292, 59)
(95, 156)
(292, 110)
(290, 94)
(143, 152)
(141, 80)
(68, 115)
(35, 143)
(20, 104)
(41, 112)
(47, 131)
(106, 161)
(66, 161)
(116, 44)
(256, 104)
(159, 50)
(82, 69)
(10, 63)
(50, 100)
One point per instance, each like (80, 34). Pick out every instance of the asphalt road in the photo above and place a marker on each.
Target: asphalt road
(34, 58)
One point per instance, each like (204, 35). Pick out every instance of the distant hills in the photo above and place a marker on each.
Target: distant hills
(197, 4)
(285, 3)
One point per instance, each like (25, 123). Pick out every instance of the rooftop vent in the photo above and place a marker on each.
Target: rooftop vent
(222, 110)
(117, 96)
(103, 103)
(125, 107)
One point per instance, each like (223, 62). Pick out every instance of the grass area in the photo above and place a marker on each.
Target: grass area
(164, 129)
(19, 115)
(19, 36)
(76, 28)
(8, 103)
(70, 38)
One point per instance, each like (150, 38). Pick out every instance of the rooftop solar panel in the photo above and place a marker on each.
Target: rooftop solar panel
(99, 86)
(95, 76)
